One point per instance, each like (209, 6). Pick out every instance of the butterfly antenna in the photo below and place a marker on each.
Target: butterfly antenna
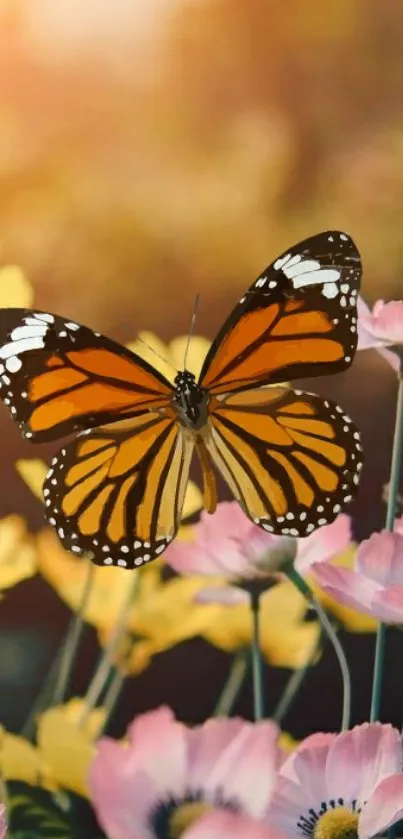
(161, 357)
(192, 326)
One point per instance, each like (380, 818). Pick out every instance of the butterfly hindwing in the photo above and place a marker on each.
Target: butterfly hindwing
(58, 377)
(118, 491)
(298, 319)
(291, 459)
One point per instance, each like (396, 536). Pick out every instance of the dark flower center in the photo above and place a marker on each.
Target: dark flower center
(171, 816)
(332, 820)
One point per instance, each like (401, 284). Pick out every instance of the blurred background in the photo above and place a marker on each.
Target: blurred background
(151, 150)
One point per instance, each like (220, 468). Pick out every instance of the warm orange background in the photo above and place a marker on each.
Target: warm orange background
(154, 149)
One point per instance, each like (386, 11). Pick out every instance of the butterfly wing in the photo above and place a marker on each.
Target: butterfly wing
(58, 377)
(291, 459)
(118, 491)
(299, 318)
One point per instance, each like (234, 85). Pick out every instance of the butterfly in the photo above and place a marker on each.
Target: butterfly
(291, 459)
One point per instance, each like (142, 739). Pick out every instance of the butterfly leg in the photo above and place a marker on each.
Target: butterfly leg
(209, 480)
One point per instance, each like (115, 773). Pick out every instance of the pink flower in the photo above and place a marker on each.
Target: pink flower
(381, 328)
(3, 823)
(340, 785)
(229, 544)
(222, 824)
(167, 775)
(375, 586)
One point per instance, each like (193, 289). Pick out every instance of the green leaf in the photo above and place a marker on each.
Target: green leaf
(36, 813)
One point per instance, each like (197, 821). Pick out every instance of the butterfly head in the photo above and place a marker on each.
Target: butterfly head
(190, 400)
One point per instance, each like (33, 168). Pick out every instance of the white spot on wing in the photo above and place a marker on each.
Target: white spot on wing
(25, 345)
(330, 290)
(316, 276)
(27, 332)
(45, 316)
(13, 364)
(281, 261)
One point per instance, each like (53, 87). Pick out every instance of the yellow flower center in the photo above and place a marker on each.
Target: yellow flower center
(185, 815)
(340, 823)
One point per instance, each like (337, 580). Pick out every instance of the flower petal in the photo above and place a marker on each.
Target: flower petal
(377, 330)
(380, 558)
(121, 813)
(323, 544)
(153, 350)
(228, 755)
(33, 472)
(128, 780)
(16, 291)
(187, 558)
(193, 500)
(384, 808)
(19, 759)
(387, 321)
(66, 748)
(18, 556)
(360, 758)
(195, 354)
(346, 586)
(226, 595)
(287, 640)
(388, 605)
(3, 822)
(301, 782)
(158, 745)
(222, 824)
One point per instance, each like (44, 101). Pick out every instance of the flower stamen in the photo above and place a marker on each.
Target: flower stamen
(340, 823)
(185, 815)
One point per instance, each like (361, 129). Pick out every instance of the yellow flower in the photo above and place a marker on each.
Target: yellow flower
(17, 552)
(65, 746)
(173, 353)
(286, 639)
(63, 752)
(163, 613)
(19, 759)
(287, 742)
(15, 290)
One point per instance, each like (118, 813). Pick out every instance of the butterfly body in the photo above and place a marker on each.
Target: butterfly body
(291, 459)
(190, 400)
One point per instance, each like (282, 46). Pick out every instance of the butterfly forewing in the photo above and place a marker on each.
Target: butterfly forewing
(291, 459)
(298, 319)
(118, 491)
(58, 377)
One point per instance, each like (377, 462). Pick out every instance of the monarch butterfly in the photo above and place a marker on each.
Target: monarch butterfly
(291, 459)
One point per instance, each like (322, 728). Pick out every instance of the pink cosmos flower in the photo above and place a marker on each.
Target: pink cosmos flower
(375, 586)
(3, 823)
(167, 775)
(341, 785)
(229, 544)
(381, 328)
(221, 824)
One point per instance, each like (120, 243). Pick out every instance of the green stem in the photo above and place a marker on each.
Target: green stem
(327, 627)
(55, 684)
(72, 641)
(257, 669)
(232, 686)
(390, 520)
(106, 663)
(294, 683)
(111, 697)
